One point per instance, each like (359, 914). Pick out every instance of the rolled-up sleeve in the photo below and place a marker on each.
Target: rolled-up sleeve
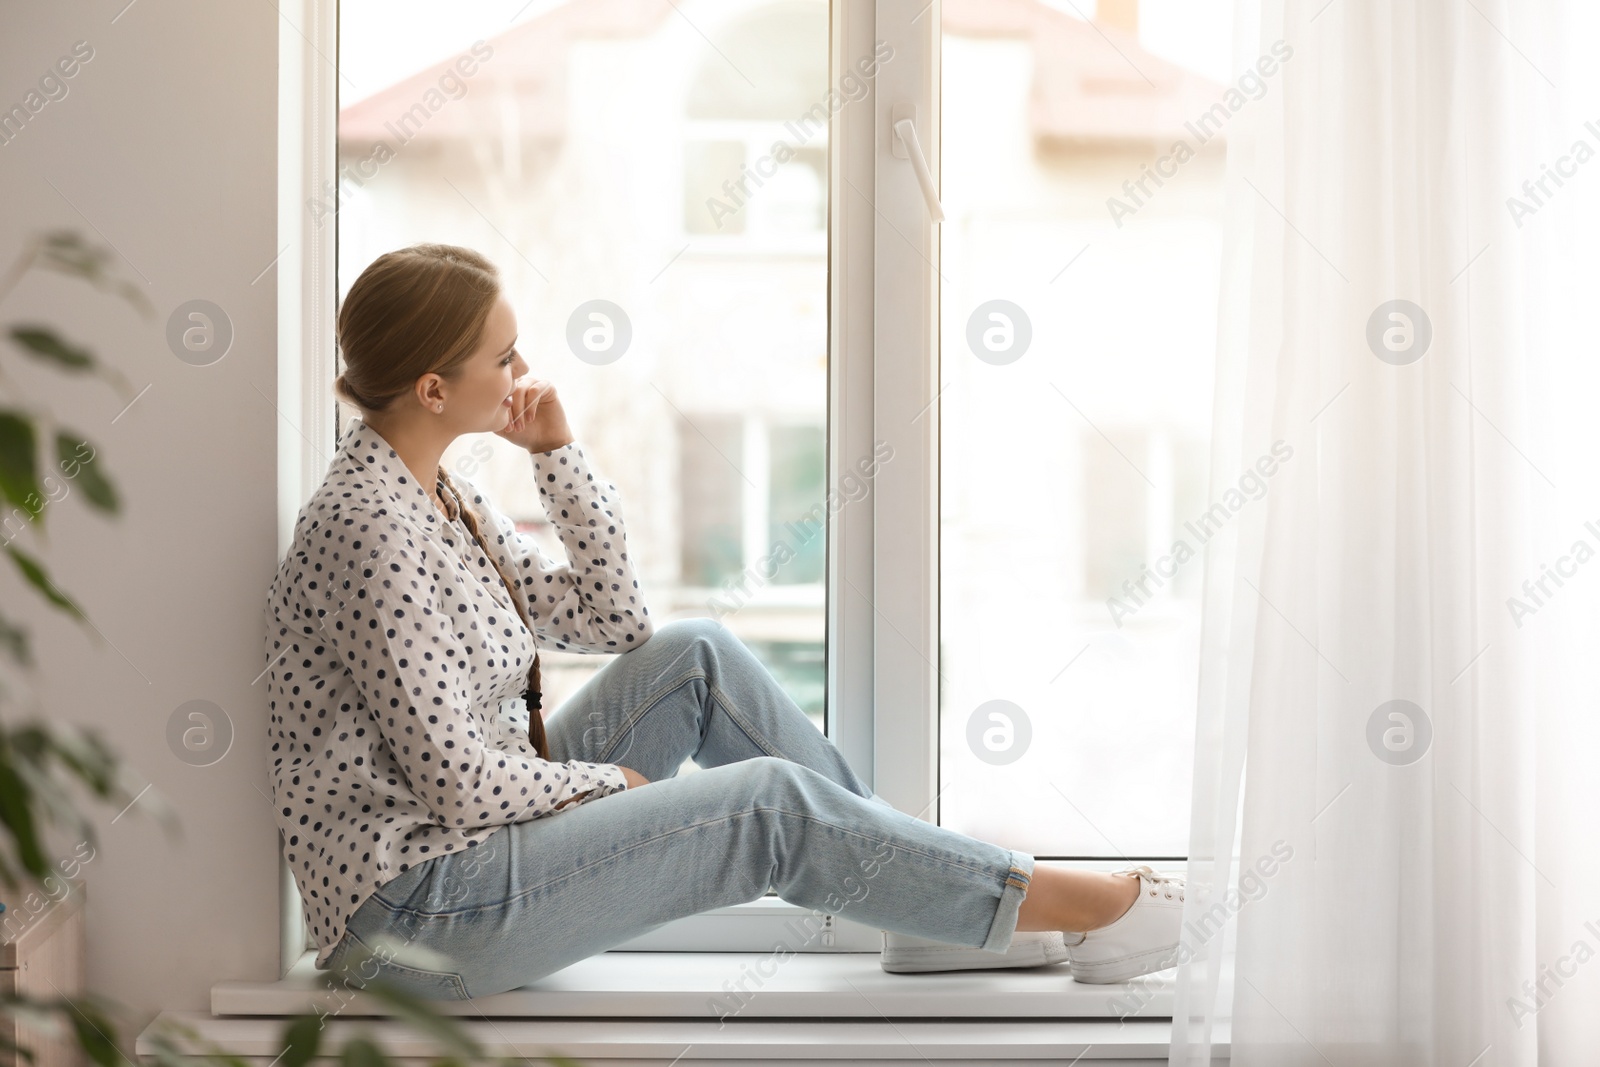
(591, 600)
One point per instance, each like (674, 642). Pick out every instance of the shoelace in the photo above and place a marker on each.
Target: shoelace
(1161, 881)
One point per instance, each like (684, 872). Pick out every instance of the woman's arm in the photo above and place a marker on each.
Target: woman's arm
(411, 668)
(591, 600)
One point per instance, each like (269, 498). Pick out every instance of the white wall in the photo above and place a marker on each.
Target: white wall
(166, 142)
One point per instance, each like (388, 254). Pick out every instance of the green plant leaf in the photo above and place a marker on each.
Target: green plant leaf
(14, 640)
(52, 802)
(19, 462)
(43, 343)
(66, 251)
(85, 752)
(33, 750)
(16, 815)
(34, 572)
(163, 1036)
(90, 478)
(17, 1050)
(421, 1014)
(361, 1052)
(42, 1020)
(93, 1033)
(43, 1017)
(300, 1040)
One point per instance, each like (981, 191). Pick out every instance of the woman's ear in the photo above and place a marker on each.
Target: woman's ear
(430, 392)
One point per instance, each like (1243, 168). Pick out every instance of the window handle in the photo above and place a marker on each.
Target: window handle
(906, 146)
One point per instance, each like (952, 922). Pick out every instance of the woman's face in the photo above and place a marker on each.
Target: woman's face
(481, 392)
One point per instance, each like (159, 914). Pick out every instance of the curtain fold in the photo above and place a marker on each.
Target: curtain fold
(1395, 746)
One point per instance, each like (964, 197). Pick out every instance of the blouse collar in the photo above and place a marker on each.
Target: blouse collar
(366, 448)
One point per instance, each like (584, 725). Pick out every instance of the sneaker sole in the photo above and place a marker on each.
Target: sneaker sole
(919, 959)
(1121, 970)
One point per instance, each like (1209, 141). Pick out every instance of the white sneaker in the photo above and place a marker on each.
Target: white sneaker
(1144, 939)
(904, 954)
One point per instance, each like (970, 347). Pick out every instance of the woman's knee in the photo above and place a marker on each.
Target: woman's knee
(701, 632)
(776, 779)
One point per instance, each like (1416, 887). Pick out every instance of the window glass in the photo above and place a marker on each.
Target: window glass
(1077, 328)
(667, 264)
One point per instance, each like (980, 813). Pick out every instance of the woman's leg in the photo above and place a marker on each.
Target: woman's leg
(695, 690)
(558, 889)
(692, 691)
(1065, 898)
(776, 806)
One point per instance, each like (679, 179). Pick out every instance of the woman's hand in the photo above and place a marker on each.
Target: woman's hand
(538, 421)
(632, 777)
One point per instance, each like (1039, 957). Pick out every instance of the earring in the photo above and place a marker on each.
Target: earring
(439, 408)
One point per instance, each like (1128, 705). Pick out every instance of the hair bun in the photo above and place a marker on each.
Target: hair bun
(341, 389)
(412, 311)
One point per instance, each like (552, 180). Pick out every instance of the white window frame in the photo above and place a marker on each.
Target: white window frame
(307, 162)
(882, 554)
(905, 586)
(307, 300)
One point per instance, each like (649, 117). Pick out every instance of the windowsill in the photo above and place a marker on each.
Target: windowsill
(780, 1042)
(685, 1042)
(835, 1006)
(707, 986)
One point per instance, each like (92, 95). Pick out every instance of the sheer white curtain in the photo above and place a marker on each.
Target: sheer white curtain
(1396, 783)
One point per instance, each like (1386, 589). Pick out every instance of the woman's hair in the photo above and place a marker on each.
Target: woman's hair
(413, 311)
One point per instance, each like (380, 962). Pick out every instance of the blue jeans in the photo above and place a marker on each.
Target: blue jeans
(774, 804)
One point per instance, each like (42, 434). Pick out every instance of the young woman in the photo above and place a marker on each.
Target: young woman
(454, 842)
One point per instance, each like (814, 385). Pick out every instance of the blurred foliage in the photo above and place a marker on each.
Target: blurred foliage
(44, 767)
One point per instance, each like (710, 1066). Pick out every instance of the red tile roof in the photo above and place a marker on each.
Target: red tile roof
(532, 55)
(1091, 83)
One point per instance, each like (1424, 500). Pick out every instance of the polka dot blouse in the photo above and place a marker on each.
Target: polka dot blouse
(397, 663)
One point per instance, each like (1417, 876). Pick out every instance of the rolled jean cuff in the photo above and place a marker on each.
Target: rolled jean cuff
(1017, 880)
